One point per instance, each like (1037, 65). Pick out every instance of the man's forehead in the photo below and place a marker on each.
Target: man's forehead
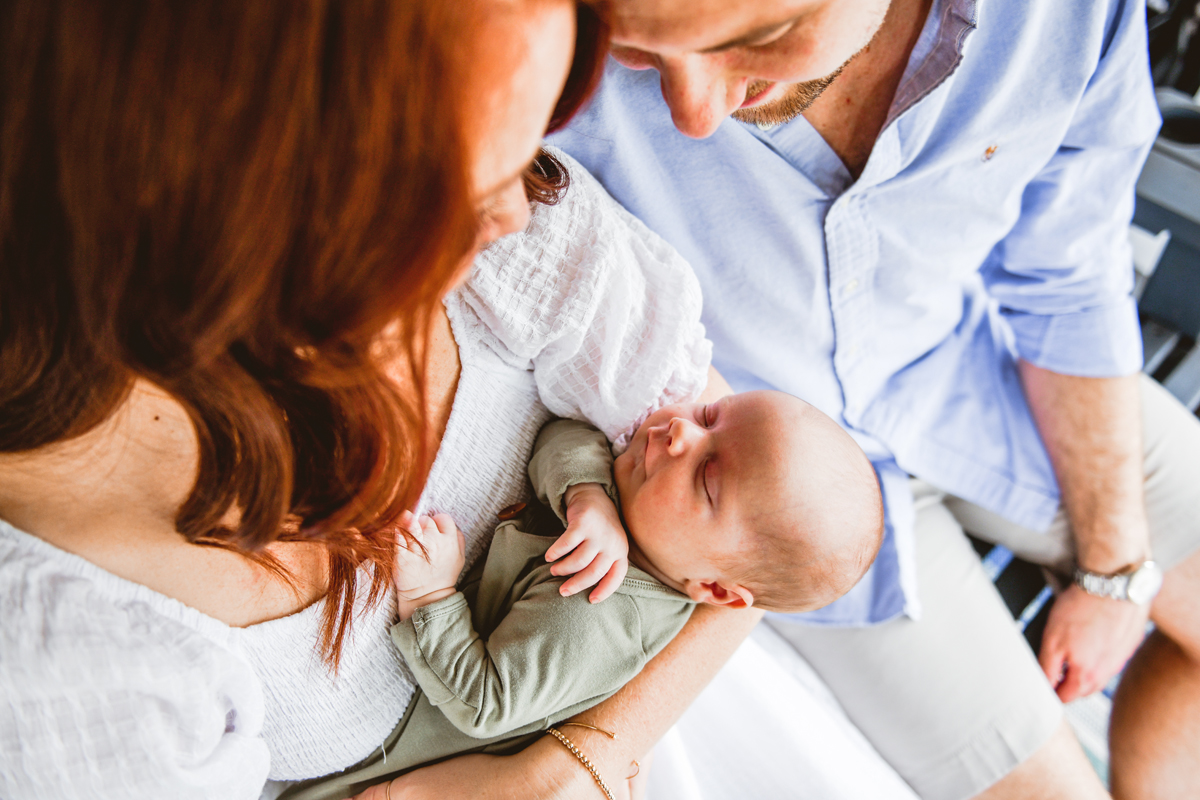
(694, 25)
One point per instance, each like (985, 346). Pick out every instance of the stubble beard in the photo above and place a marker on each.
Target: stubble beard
(795, 101)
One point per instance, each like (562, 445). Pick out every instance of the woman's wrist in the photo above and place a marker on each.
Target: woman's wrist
(557, 772)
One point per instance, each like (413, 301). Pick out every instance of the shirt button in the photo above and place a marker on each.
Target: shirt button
(852, 350)
(511, 512)
(851, 287)
(765, 126)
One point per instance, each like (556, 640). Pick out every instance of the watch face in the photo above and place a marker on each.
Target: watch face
(1145, 583)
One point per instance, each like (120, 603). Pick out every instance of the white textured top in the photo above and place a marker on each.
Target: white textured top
(111, 690)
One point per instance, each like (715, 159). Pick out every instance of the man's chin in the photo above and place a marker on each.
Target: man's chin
(796, 99)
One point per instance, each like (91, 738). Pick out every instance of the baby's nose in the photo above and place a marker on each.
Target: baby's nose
(681, 435)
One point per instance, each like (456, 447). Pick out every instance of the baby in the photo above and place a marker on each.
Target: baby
(757, 500)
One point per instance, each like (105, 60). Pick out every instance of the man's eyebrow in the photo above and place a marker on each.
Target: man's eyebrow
(752, 36)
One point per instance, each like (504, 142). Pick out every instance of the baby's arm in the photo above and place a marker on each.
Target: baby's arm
(546, 656)
(423, 578)
(571, 471)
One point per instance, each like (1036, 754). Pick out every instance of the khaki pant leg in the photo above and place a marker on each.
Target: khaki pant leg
(953, 702)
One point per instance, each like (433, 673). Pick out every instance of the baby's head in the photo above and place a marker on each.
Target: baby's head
(756, 499)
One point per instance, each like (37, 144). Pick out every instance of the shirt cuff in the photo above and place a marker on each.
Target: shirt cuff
(418, 638)
(1102, 342)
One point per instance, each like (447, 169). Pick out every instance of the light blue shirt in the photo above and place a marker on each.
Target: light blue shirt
(989, 223)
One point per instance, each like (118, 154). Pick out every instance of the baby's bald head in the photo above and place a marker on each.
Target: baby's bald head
(758, 498)
(815, 522)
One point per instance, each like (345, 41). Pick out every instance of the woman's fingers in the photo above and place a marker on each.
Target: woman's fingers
(378, 792)
(610, 582)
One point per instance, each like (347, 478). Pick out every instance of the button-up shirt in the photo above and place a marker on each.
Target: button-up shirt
(989, 224)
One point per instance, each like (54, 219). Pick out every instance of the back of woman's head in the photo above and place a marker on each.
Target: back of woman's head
(234, 200)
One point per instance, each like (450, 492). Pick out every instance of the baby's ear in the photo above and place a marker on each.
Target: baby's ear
(715, 593)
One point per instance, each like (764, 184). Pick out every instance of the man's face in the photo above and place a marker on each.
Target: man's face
(760, 62)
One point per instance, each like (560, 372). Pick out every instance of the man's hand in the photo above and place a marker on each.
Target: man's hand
(422, 578)
(596, 542)
(1088, 640)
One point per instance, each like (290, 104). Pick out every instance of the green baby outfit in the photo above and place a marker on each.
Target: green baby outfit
(507, 656)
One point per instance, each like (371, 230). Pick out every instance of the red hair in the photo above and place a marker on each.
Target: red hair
(233, 201)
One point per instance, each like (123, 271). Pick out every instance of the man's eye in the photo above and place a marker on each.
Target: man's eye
(706, 415)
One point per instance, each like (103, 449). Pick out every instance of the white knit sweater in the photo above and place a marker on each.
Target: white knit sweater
(111, 690)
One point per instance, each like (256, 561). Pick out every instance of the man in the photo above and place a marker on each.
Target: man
(916, 220)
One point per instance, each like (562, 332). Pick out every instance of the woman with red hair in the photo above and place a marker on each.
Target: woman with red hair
(226, 368)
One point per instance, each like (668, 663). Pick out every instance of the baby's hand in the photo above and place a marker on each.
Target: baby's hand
(421, 581)
(596, 541)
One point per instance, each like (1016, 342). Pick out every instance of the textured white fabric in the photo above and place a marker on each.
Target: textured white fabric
(111, 690)
(609, 340)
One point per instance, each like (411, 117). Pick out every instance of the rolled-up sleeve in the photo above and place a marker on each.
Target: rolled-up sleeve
(1063, 275)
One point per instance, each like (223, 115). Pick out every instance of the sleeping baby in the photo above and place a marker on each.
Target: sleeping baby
(757, 500)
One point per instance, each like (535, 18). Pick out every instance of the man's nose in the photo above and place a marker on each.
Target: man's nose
(682, 435)
(695, 90)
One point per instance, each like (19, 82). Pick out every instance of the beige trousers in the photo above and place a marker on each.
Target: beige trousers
(956, 700)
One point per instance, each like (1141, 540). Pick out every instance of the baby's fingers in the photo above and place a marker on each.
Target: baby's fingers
(588, 576)
(579, 558)
(444, 524)
(565, 544)
(408, 524)
(610, 582)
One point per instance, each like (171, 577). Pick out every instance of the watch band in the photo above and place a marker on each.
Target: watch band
(1138, 584)
(1114, 586)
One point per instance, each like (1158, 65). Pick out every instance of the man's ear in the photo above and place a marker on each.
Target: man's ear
(715, 593)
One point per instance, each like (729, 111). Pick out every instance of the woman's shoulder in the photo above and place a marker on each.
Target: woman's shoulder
(107, 690)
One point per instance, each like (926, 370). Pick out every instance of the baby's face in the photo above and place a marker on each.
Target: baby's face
(692, 477)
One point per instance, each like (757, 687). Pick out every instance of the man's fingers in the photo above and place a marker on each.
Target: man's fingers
(564, 544)
(610, 582)
(585, 577)
(1072, 686)
(1052, 661)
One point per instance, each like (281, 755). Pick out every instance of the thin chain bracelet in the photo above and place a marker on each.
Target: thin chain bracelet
(587, 763)
(637, 768)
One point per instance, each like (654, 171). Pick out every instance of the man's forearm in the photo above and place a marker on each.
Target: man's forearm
(1092, 429)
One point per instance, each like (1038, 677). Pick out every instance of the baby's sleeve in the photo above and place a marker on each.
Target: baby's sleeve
(539, 660)
(567, 453)
(604, 311)
(109, 700)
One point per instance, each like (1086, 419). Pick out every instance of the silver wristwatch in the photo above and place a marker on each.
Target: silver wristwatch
(1138, 584)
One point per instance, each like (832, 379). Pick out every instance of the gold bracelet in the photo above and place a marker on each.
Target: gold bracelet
(567, 743)
(637, 768)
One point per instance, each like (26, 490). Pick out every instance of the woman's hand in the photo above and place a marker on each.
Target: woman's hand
(425, 577)
(596, 542)
(543, 771)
